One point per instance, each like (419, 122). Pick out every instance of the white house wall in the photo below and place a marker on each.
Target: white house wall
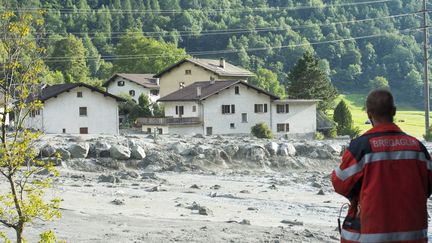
(301, 118)
(186, 130)
(170, 82)
(114, 89)
(170, 109)
(244, 103)
(63, 113)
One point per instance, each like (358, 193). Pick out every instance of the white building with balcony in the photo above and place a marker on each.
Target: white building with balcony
(231, 107)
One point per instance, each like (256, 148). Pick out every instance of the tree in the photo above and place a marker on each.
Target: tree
(379, 83)
(268, 81)
(342, 116)
(69, 57)
(21, 67)
(307, 80)
(150, 56)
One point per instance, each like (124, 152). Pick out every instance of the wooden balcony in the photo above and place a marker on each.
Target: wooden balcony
(169, 121)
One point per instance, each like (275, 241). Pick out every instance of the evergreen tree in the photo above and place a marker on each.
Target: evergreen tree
(307, 80)
(342, 116)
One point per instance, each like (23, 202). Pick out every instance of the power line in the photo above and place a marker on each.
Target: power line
(234, 31)
(172, 11)
(203, 53)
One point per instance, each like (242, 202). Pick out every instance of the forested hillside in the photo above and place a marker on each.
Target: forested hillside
(357, 41)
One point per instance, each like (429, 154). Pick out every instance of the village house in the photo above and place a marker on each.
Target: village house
(134, 85)
(191, 70)
(231, 107)
(75, 109)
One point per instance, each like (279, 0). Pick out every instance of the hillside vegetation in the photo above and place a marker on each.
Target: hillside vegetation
(356, 41)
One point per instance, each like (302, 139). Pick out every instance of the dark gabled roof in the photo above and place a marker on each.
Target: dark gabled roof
(208, 88)
(55, 90)
(145, 80)
(211, 65)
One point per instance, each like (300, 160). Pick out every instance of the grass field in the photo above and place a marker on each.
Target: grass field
(411, 121)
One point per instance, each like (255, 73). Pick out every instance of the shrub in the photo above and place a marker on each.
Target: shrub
(319, 136)
(352, 131)
(261, 130)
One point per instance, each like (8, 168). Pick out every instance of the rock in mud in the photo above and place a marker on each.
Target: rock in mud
(120, 152)
(118, 202)
(137, 152)
(109, 179)
(48, 151)
(292, 222)
(79, 151)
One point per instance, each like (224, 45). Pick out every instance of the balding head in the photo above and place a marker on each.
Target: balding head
(380, 106)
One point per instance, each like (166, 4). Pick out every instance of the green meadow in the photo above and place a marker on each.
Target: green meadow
(410, 120)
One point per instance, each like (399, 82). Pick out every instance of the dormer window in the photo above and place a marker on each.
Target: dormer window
(237, 90)
(79, 94)
(132, 92)
(120, 83)
(188, 72)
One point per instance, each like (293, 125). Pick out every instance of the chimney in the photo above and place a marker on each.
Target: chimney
(222, 62)
(199, 92)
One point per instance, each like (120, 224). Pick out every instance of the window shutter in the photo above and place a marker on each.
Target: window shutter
(287, 127)
(265, 108)
(233, 109)
(287, 108)
(256, 108)
(177, 110)
(223, 111)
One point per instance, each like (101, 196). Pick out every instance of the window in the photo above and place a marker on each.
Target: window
(181, 85)
(209, 131)
(237, 90)
(194, 108)
(282, 108)
(132, 92)
(120, 83)
(232, 125)
(64, 130)
(79, 94)
(160, 131)
(84, 130)
(212, 78)
(149, 130)
(282, 127)
(154, 92)
(261, 108)
(188, 72)
(179, 110)
(83, 111)
(228, 109)
(244, 117)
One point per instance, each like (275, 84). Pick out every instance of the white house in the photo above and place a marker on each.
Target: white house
(76, 109)
(231, 107)
(191, 70)
(134, 85)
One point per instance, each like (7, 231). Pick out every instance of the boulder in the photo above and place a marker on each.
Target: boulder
(138, 152)
(287, 149)
(102, 149)
(272, 148)
(63, 153)
(48, 151)
(79, 150)
(120, 152)
(109, 179)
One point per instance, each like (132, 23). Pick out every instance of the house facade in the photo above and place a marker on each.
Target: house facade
(191, 70)
(232, 107)
(75, 109)
(134, 85)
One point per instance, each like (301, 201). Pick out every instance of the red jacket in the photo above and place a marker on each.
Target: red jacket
(388, 174)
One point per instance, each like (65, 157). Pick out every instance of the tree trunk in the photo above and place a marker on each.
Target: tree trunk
(19, 232)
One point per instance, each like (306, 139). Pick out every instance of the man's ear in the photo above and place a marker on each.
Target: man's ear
(394, 111)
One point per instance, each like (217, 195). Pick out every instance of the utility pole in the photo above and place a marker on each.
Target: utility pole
(426, 68)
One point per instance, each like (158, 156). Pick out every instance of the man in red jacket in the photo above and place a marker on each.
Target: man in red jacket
(386, 174)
